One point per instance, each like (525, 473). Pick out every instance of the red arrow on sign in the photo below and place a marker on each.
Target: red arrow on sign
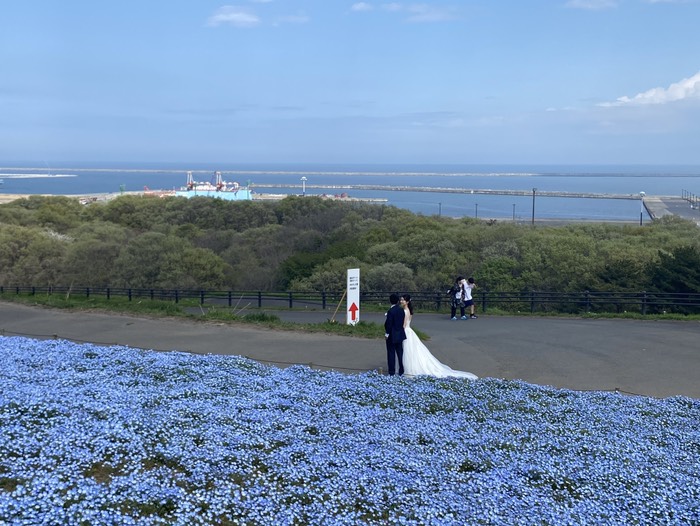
(353, 311)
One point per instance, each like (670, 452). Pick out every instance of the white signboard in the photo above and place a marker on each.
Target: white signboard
(353, 295)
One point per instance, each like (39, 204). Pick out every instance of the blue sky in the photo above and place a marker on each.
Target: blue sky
(330, 81)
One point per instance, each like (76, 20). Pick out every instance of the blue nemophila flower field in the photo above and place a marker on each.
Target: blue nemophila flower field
(112, 435)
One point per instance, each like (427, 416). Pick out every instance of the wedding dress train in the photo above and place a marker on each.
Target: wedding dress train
(418, 360)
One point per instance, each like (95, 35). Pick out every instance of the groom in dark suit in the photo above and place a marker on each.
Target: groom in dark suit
(394, 335)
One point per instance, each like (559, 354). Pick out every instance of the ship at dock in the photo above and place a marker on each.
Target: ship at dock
(216, 188)
(221, 189)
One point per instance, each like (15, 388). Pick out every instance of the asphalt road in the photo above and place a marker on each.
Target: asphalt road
(651, 358)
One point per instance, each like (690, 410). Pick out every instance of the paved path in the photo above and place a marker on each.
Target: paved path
(658, 207)
(653, 358)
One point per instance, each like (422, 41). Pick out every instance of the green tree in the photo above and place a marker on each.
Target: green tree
(556, 260)
(499, 274)
(677, 271)
(256, 256)
(298, 266)
(386, 252)
(57, 213)
(29, 256)
(155, 260)
(91, 255)
(311, 212)
(329, 277)
(391, 277)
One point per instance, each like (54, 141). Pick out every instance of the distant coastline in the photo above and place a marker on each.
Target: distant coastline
(507, 192)
(430, 171)
(34, 176)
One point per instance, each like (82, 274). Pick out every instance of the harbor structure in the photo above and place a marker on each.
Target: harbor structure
(219, 188)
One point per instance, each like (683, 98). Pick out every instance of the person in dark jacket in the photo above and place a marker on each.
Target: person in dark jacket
(394, 335)
(457, 296)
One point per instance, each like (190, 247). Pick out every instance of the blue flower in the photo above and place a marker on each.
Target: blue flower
(113, 435)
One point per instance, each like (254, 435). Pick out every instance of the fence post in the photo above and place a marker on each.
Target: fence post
(584, 299)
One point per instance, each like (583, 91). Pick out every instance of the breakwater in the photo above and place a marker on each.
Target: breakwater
(35, 176)
(443, 190)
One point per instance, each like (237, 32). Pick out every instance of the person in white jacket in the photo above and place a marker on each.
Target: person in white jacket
(469, 285)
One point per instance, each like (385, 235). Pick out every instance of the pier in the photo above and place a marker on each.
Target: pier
(660, 206)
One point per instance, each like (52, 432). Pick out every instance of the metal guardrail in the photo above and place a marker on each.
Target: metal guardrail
(518, 301)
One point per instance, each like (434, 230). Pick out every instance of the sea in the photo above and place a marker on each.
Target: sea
(73, 178)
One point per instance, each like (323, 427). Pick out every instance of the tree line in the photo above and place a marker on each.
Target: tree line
(308, 243)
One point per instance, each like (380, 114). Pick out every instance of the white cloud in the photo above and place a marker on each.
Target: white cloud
(591, 4)
(234, 15)
(685, 89)
(394, 6)
(413, 12)
(361, 6)
(428, 13)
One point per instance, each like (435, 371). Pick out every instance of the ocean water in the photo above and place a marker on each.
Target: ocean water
(627, 180)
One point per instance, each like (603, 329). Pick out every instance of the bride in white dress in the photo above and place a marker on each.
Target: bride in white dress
(417, 359)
